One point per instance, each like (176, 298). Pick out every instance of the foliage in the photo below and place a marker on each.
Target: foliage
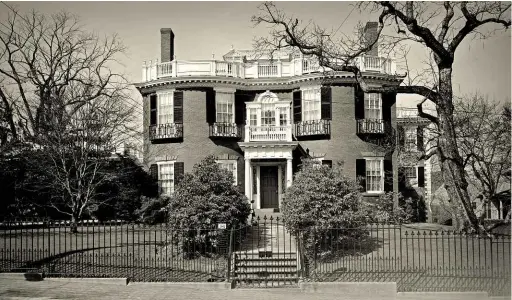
(323, 198)
(126, 191)
(384, 210)
(204, 198)
(153, 210)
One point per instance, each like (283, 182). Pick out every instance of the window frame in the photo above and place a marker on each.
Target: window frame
(230, 105)
(169, 107)
(382, 175)
(308, 114)
(377, 107)
(172, 183)
(222, 162)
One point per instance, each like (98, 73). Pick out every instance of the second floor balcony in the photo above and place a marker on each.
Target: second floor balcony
(165, 131)
(373, 127)
(226, 130)
(312, 128)
(268, 133)
(297, 66)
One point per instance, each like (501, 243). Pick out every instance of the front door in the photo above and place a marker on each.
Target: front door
(269, 194)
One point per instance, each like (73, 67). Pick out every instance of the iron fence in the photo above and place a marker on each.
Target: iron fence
(417, 259)
(112, 249)
(263, 254)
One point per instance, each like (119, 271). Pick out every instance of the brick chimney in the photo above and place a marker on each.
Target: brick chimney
(369, 34)
(167, 44)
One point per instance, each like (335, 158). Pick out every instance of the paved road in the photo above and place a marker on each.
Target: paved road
(19, 289)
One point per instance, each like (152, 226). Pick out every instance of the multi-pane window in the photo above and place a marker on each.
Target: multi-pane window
(373, 106)
(165, 108)
(410, 138)
(166, 177)
(253, 117)
(225, 107)
(282, 116)
(230, 166)
(374, 175)
(268, 114)
(311, 101)
(410, 172)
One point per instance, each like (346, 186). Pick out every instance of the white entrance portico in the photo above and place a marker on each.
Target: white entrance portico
(268, 147)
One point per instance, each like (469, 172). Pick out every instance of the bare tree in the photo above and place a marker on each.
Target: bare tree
(75, 151)
(483, 130)
(438, 27)
(50, 64)
(59, 93)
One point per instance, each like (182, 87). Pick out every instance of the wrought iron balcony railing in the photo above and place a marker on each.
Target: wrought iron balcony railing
(373, 126)
(226, 130)
(313, 128)
(166, 131)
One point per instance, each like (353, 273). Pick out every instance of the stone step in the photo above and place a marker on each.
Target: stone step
(265, 273)
(254, 278)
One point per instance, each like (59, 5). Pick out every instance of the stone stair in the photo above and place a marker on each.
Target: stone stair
(265, 269)
(268, 257)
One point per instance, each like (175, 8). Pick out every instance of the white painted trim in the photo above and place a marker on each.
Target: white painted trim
(310, 87)
(258, 186)
(224, 90)
(167, 162)
(160, 94)
(381, 171)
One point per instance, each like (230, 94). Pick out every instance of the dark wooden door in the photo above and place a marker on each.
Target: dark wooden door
(268, 179)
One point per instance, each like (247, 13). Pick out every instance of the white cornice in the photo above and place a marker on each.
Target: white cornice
(261, 83)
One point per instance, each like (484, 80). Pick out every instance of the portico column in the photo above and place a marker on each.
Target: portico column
(279, 183)
(248, 178)
(289, 171)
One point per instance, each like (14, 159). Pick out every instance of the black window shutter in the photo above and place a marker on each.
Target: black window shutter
(326, 103)
(359, 102)
(210, 106)
(240, 109)
(361, 173)
(179, 170)
(421, 176)
(178, 107)
(387, 102)
(152, 109)
(327, 162)
(419, 138)
(388, 175)
(401, 136)
(297, 106)
(153, 170)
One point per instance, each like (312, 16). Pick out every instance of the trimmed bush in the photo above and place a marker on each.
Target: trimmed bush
(322, 200)
(203, 199)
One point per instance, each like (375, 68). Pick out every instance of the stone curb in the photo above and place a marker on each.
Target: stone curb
(443, 295)
(114, 281)
(225, 285)
(352, 290)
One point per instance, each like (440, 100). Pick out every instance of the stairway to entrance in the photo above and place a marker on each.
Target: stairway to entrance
(267, 257)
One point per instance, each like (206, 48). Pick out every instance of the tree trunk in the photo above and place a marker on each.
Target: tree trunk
(74, 223)
(451, 162)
